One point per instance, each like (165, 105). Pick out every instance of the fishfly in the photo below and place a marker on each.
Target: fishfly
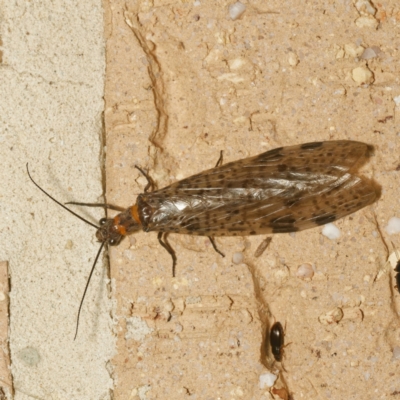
(287, 189)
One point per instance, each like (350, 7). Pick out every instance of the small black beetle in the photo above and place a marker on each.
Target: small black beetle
(397, 277)
(277, 340)
(397, 269)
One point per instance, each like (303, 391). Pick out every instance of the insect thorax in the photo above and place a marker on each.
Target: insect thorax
(112, 230)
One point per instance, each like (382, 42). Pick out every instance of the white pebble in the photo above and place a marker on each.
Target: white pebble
(340, 91)
(168, 306)
(136, 329)
(236, 10)
(178, 328)
(367, 22)
(305, 271)
(393, 226)
(267, 380)
(129, 254)
(293, 59)
(236, 63)
(340, 54)
(353, 314)
(352, 50)
(331, 317)
(365, 7)
(237, 258)
(362, 75)
(396, 353)
(331, 231)
(368, 53)
(397, 101)
(394, 258)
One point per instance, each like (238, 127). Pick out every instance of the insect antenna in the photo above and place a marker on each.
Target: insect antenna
(86, 288)
(56, 201)
(97, 255)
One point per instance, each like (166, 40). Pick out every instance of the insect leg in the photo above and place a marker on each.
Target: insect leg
(215, 246)
(109, 206)
(219, 162)
(164, 243)
(282, 351)
(150, 182)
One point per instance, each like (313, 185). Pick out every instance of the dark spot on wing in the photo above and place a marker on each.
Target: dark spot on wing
(193, 227)
(291, 202)
(284, 229)
(274, 154)
(287, 219)
(313, 145)
(282, 167)
(325, 219)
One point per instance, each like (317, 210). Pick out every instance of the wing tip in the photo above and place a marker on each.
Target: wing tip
(370, 150)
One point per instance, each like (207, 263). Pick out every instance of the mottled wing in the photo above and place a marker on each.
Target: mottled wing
(283, 190)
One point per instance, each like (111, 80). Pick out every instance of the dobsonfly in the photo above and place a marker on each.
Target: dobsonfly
(287, 189)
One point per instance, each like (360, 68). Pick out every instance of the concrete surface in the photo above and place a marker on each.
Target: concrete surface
(51, 85)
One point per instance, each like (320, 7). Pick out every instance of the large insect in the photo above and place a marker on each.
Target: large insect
(286, 189)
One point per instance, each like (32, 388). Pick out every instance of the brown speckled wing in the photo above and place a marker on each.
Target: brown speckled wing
(287, 189)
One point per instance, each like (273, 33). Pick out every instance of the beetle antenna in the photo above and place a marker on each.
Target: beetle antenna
(56, 201)
(86, 288)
